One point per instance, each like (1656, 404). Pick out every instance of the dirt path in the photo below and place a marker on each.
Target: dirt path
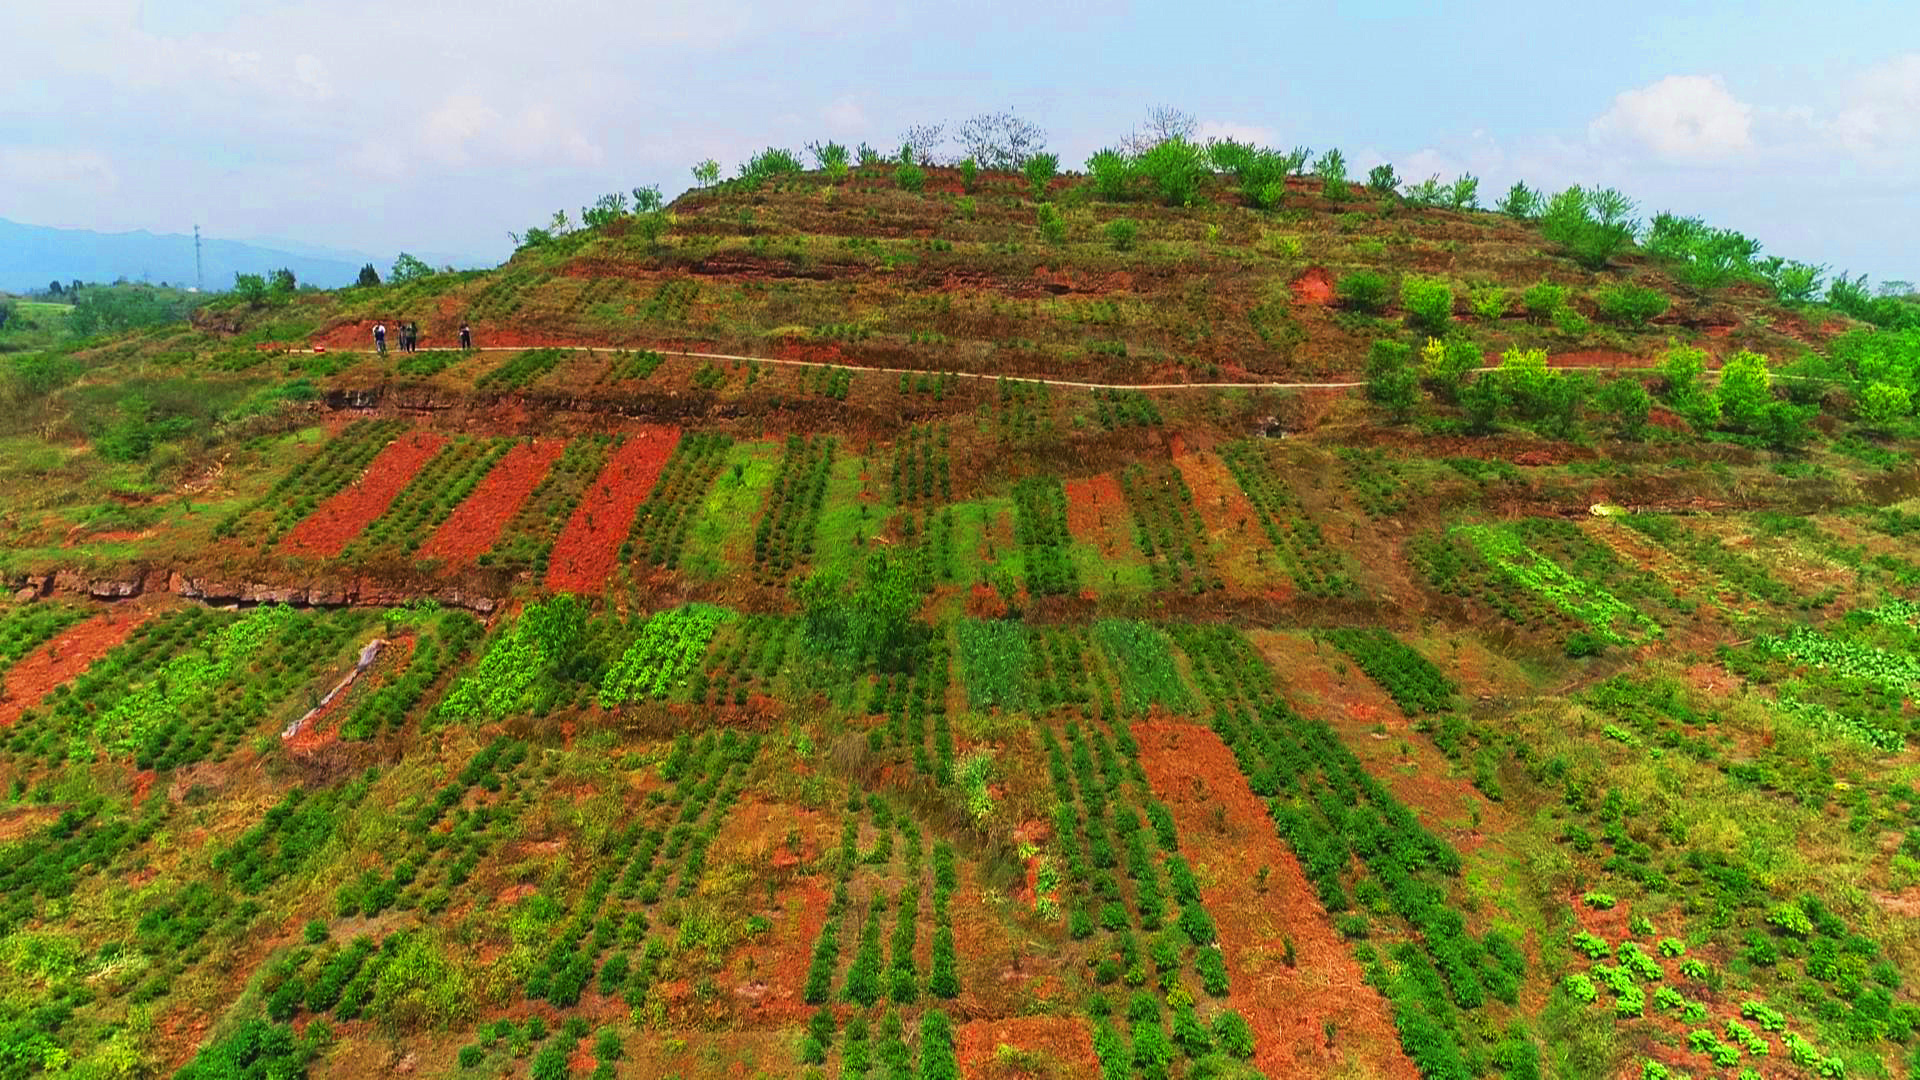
(1261, 900)
(997, 376)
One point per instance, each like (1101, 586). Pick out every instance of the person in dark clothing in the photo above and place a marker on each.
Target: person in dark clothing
(413, 337)
(380, 338)
(466, 337)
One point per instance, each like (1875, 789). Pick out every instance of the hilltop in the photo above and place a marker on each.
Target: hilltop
(1202, 615)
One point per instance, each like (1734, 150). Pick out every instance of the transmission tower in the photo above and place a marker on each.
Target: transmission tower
(199, 285)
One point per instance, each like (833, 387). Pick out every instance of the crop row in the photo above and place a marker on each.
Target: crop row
(1124, 408)
(1316, 568)
(936, 384)
(1025, 411)
(500, 299)
(1040, 527)
(660, 527)
(1167, 530)
(1097, 784)
(1143, 665)
(442, 642)
(422, 865)
(26, 628)
(1742, 572)
(526, 541)
(746, 662)
(921, 472)
(522, 370)
(1408, 677)
(52, 861)
(832, 382)
(624, 366)
(1491, 564)
(431, 496)
(785, 535)
(425, 365)
(1376, 481)
(670, 645)
(909, 699)
(300, 491)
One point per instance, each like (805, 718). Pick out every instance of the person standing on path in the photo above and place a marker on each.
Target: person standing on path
(413, 337)
(466, 337)
(380, 338)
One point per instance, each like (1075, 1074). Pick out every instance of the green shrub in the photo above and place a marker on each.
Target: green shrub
(1175, 168)
(1040, 170)
(1232, 1032)
(1627, 402)
(1121, 233)
(1590, 226)
(1053, 227)
(1381, 179)
(909, 177)
(969, 175)
(1489, 302)
(1363, 290)
(1520, 202)
(1544, 300)
(1391, 382)
(471, 1055)
(1112, 174)
(1428, 302)
(1630, 304)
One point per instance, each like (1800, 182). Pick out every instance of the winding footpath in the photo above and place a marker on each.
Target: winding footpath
(1351, 385)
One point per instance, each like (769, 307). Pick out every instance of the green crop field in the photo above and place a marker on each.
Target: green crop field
(1196, 615)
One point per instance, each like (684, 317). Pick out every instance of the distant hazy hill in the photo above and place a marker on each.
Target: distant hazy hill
(33, 255)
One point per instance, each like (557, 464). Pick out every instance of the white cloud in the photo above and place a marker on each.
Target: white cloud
(845, 116)
(46, 168)
(1238, 132)
(1681, 117)
(465, 130)
(1884, 111)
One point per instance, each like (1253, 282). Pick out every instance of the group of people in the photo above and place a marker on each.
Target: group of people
(410, 337)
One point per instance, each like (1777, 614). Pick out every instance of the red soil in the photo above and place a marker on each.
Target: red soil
(1225, 830)
(341, 518)
(771, 992)
(588, 547)
(1097, 514)
(323, 728)
(1314, 287)
(1059, 1040)
(71, 652)
(476, 523)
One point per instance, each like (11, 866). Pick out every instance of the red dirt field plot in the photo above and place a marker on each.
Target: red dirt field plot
(476, 523)
(1052, 1045)
(589, 546)
(333, 526)
(71, 652)
(1097, 513)
(1227, 833)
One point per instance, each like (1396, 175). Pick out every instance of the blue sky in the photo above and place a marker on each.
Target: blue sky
(440, 125)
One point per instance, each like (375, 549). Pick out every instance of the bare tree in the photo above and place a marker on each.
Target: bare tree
(1163, 123)
(1001, 140)
(921, 141)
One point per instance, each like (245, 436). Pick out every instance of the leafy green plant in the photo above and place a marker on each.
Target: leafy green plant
(1428, 302)
(1040, 169)
(1121, 233)
(1632, 305)
(1053, 227)
(1591, 226)
(1363, 290)
(1520, 202)
(1489, 302)
(908, 176)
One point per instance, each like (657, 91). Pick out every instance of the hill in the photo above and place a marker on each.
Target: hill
(1173, 621)
(33, 255)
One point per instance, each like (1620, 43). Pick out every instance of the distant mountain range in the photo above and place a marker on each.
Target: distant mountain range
(33, 255)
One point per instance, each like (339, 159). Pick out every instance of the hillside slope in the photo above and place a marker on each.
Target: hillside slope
(667, 690)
